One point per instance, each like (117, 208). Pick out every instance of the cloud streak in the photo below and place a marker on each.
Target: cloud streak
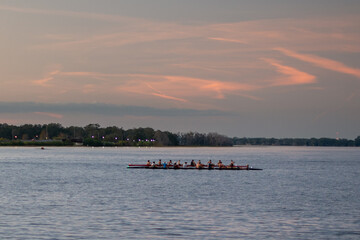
(228, 40)
(180, 88)
(59, 111)
(52, 115)
(294, 76)
(169, 97)
(86, 15)
(321, 62)
(170, 87)
(44, 82)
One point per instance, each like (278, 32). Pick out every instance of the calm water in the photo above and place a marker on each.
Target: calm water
(88, 193)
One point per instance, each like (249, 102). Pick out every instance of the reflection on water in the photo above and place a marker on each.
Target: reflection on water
(87, 193)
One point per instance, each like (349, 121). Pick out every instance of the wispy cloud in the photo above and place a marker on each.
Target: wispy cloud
(207, 86)
(44, 82)
(57, 110)
(169, 97)
(186, 64)
(86, 15)
(56, 77)
(137, 30)
(322, 62)
(161, 95)
(228, 40)
(52, 115)
(182, 87)
(258, 34)
(293, 75)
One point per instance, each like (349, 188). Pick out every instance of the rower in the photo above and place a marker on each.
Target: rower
(153, 165)
(220, 164)
(159, 163)
(193, 164)
(178, 163)
(210, 164)
(199, 165)
(148, 163)
(185, 165)
(170, 163)
(232, 164)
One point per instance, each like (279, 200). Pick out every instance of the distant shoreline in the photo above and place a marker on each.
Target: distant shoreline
(93, 135)
(104, 146)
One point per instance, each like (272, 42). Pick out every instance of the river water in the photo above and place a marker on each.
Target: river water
(88, 193)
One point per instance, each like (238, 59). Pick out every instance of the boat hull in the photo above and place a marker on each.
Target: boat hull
(137, 166)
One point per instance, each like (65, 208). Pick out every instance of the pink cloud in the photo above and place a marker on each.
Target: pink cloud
(294, 76)
(86, 15)
(182, 88)
(80, 74)
(52, 115)
(169, 97)
(57, 74)
(322, 62)
(159, 94)
(44, 81)
(207, 86)
(141, 30)
(228, 40)
(312, 33)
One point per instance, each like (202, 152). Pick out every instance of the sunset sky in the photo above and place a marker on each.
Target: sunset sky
(245, 68)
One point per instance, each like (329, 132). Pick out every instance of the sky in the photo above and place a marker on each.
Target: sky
(242, 68)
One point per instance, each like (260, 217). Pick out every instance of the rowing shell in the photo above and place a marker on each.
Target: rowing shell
(191, 167)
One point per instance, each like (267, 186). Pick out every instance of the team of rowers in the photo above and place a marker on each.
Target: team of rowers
(198, 165)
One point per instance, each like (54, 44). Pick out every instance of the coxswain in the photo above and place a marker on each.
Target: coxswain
(199, 165)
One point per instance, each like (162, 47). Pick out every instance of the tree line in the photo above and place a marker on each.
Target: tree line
(322, 142)
(95, 135)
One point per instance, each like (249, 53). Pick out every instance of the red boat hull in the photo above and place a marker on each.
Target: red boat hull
(191, 167)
